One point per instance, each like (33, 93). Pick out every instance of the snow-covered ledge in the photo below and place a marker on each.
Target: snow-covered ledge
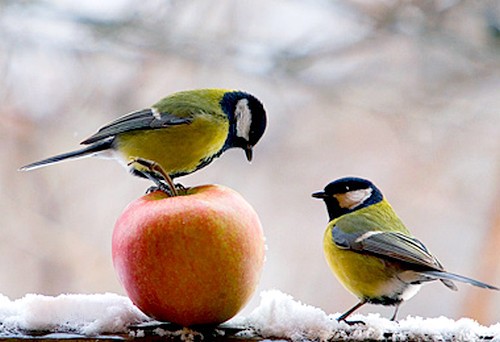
(277, 316)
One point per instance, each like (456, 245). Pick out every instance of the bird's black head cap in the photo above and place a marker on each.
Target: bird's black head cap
(348, 194)
(247, 118)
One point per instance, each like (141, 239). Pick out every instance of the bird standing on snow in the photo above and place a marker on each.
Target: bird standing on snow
(371, 251)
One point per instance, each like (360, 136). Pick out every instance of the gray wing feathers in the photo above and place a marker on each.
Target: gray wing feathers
(403, 248)
(142, 119)
(400, 247)
(387, 244)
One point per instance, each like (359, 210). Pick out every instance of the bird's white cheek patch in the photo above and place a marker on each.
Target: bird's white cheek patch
(243, 117)
(352, 199)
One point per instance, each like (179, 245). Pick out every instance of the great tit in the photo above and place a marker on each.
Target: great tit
(176, 136)
(370, 250)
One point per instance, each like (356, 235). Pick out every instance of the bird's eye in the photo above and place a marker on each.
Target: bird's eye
(347, 188)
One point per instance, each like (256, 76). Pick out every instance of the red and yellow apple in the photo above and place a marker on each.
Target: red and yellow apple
(190, 259)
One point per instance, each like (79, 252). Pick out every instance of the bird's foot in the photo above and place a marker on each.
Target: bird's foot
(164, 188)
(181, 189)
(351, 322)
(156, 173)
(342, 318)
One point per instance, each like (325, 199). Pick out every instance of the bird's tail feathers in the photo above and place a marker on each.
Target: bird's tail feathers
(447, 278)
(81, 153)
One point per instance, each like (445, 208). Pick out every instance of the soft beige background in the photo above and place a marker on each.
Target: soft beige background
(405, 93)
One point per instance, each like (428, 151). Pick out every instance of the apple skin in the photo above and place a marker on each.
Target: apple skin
(191, 259)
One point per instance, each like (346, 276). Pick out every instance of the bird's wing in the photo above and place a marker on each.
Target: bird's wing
(390, 245)
(142, 119)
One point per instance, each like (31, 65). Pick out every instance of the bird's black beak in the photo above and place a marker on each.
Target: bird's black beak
(249, 152)
(319, 194)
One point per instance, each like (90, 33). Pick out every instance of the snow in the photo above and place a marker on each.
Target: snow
(279, 315)
(76, 313)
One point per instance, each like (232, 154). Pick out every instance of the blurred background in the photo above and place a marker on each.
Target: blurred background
(405, 93)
